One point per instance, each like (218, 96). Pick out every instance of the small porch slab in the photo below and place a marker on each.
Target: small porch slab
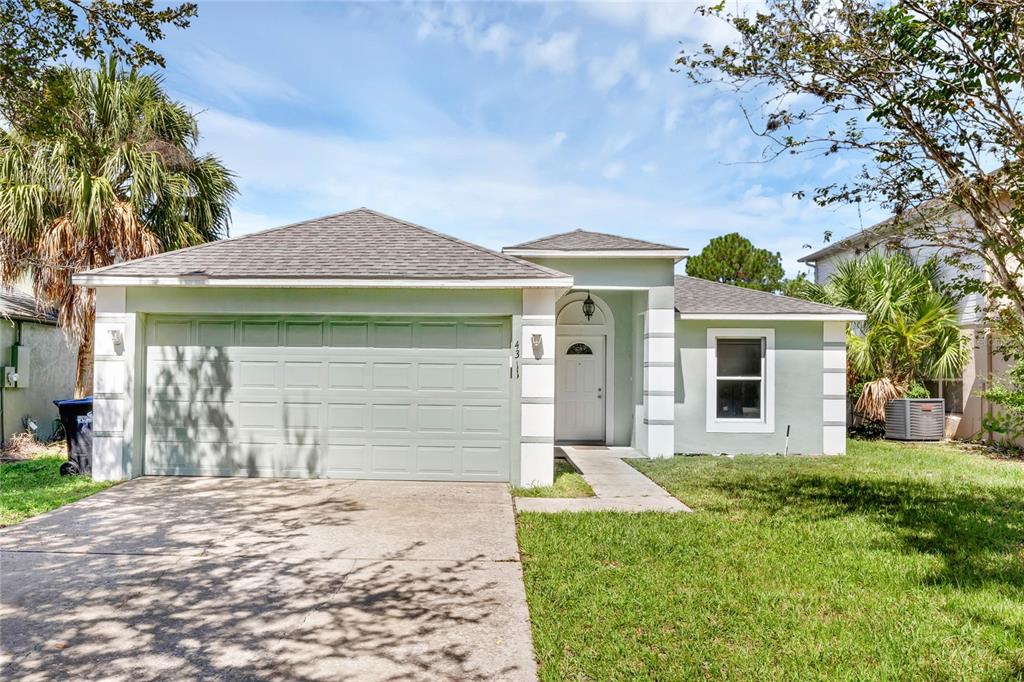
(617, 486)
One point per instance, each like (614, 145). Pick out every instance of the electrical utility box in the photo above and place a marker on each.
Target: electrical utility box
(21, 358)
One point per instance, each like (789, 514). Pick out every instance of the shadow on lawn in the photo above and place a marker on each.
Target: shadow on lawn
(978, 533)
(229, 579)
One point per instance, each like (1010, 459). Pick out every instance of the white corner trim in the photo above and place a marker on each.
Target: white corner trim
(677, 254)
(779, 317)
(767, 422)
(833, 403)
(87, 280)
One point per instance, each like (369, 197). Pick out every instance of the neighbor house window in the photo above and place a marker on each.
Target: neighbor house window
(741, 391)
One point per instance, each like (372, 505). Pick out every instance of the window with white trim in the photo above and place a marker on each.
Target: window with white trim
(741, 380)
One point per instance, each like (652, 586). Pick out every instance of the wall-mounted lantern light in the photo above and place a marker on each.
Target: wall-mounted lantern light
(588, 307)
(537, 341)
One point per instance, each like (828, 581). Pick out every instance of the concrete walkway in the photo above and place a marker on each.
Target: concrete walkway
(617, 486)
(263, 579)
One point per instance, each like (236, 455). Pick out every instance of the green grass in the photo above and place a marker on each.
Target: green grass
(568, 483)
(893, 562)
(34, 486)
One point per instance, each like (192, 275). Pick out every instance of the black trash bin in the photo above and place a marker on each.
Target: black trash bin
(76, 416)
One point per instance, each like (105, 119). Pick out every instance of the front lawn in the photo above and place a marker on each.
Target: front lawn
(568, 483)
(33, 486)
(893, 562)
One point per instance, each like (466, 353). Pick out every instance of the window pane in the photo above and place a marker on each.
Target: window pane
(739, 399)
(739, 357)
(953, 392)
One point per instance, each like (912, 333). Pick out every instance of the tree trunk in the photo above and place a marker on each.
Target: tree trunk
(83, 377)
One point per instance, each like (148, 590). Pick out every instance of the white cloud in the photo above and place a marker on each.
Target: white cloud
(558, 138)
(557, 53)
(456, 23)
(237, 82)
(671, 119)
(668, 20)
(649, 169)
(623, 65)
(613, 171)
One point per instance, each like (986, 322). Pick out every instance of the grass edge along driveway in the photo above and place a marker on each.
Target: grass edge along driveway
(894, 561)
(33, 486)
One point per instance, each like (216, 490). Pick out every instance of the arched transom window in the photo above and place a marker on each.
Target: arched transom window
(579, 349)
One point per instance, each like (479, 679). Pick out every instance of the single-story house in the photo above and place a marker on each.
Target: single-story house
(37, 365)
(363, 346)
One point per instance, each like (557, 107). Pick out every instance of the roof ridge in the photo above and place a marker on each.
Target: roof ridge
(461, 242)
(549, 237)
(766, 293)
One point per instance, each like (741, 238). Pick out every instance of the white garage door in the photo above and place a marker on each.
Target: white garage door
(418, 399)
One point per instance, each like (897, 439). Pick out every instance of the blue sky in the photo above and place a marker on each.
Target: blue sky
(496, 123)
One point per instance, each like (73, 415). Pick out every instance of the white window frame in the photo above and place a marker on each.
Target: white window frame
(766, 424)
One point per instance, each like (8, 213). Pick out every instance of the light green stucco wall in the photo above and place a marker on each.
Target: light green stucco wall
(280, 301)
(613, 272)
(798, 391)
(621, 305)
(52, 375)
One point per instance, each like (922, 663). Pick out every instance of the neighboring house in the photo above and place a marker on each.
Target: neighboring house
(33, 348)
(964, 405)
(362, 346)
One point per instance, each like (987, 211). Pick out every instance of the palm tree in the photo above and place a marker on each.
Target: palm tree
(911, 333)
(118, 178)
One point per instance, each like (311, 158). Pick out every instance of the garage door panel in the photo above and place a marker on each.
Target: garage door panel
(490, 335)
(484, 459)
(346, 418)
(485, 419)
(304, 374)
(392, 334)
(258, 333)
(394, 418)
(437, 459)
(433, 418)
(391, 458)
(390, 376)
(348, 334)
(420, 404)
(480, 377)
(438, 335)
(435, 376)
(347, 460)
(353, 375)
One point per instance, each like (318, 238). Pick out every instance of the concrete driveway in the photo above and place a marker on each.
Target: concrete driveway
(283, 579)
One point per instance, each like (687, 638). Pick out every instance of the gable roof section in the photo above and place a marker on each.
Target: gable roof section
(700, 299)
(17, 305)
(584, 240)
(355, 245)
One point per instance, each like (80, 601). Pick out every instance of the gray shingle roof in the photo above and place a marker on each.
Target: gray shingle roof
(17, 305)
(357, 244)
(701, 296)
(583, 240)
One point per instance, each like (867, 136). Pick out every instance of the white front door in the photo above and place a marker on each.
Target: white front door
(579, 389)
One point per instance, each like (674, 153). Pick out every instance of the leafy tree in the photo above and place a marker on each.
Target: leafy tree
(912, 330)
(925, 94)
(1007, 422)
(732, 259)
(119, 179)
(36, 34)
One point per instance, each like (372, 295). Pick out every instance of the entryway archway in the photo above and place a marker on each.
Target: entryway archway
(584, 370)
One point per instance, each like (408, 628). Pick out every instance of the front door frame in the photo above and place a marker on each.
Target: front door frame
(606, 329)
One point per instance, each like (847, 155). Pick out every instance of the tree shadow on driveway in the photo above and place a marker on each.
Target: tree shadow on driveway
(256, 579)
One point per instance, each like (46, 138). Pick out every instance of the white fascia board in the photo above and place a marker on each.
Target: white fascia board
(86, 280)
(677, 254)
(781, 317)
